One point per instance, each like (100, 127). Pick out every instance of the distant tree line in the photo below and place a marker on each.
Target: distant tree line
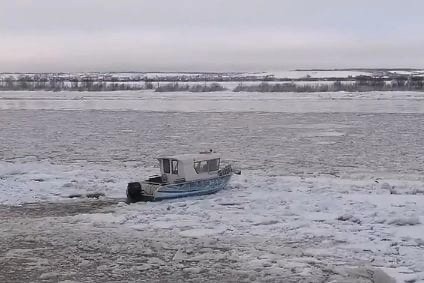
(23, 83)
(90, 85)
(357, 84)
(361, 84)
(192, 88)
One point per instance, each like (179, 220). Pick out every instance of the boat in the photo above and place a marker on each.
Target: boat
(183, 175)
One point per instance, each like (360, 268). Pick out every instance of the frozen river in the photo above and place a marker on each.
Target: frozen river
(372, 102)
(332, 187)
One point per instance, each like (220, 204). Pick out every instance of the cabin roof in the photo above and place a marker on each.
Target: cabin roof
(192, 157)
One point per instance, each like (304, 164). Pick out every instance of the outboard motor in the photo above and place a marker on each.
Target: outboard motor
(134, 192)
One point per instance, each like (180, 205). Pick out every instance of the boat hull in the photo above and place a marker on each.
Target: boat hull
(194, 188)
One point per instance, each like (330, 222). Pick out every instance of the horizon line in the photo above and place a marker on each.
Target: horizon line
(234, 72)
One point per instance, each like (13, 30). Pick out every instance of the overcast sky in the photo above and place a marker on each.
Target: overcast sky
(210, 35)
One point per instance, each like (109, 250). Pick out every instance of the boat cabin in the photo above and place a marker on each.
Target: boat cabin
(189, 167)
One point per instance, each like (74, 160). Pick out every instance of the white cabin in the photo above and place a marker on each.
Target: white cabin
(189, 167)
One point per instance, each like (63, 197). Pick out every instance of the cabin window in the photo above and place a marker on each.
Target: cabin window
(175, 167)
(201, 167)
(197, 167)
(206, 166)
(213, 165)
(166, 166)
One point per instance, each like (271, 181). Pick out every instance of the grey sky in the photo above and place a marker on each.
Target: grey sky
(106, 35)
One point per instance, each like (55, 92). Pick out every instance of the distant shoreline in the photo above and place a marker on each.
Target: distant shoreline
(314, 80)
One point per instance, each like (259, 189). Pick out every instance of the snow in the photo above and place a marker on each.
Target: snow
(42, 181)
(299, 209)
(339, 221)
(318, 74)
(226, 101)
(285, 74)
(331, 184)
(405, 221)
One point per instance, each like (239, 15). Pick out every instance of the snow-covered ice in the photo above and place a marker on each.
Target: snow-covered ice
(274, 224)
(226, 101)
(326, 193)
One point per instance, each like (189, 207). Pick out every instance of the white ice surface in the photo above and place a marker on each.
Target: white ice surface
(226, 101)
(342, 221)
(42, 181)
(345, 220)
(303, 210)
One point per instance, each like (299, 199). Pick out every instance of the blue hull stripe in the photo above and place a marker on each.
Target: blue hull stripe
(199, 193)
(195, 188)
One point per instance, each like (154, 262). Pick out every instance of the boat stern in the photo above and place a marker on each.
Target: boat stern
(141, 191)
